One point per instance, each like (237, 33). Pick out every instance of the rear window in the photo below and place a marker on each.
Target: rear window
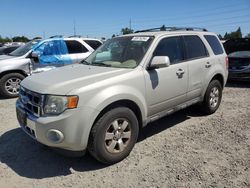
(75, 47)
(93, 43)
(194, 47)
(214, 44)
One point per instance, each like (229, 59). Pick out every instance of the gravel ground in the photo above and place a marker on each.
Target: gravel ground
(185, 149)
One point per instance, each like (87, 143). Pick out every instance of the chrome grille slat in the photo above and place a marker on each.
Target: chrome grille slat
(31, 101)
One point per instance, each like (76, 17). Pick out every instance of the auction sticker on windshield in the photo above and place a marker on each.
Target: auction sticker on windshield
(144, 39)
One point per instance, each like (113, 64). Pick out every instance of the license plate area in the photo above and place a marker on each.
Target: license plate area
(27, 124)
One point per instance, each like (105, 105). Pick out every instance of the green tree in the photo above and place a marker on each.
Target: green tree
(220, 37)
(163, 28)
(20, 39)
(126, 30)
(226, 36)
(233, 35)
(3, 40)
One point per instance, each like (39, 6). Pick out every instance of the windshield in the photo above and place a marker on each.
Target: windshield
(240, 54)
(23, 49)
(121, 52)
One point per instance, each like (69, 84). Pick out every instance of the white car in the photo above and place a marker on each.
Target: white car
(38, 56)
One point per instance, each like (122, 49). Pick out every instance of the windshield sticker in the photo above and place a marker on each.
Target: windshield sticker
(144, 39)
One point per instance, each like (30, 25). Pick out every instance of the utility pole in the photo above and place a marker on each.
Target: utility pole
(130, 23)
(74, 28)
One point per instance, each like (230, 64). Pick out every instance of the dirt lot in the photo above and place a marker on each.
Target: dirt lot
(183, 150)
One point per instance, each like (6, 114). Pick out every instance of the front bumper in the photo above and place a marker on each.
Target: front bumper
(69, 130)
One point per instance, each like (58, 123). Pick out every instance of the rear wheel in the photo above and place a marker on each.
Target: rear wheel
(114, 135)
(10, 84)
(212, 97)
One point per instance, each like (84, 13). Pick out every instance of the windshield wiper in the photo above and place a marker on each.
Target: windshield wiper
(85, 62)
(100, 64)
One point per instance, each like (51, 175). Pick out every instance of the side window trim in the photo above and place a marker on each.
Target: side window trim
(185, 49)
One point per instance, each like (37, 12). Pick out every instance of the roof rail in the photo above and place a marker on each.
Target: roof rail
(56, 36)
(163, 28)
(77, 36)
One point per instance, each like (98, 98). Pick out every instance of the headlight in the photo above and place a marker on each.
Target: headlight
(55, 105)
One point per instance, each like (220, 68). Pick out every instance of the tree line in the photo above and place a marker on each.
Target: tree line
(14, 39)
(126, 30)
(230, 35)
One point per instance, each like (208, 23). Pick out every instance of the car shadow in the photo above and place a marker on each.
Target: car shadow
(238, 84)
(169, 121)
(30, 159)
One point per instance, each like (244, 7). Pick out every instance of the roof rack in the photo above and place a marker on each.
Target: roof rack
(163, 28)
(75, 36)
(56, 36)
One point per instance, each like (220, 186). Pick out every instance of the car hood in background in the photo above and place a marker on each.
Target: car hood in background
(4, 57)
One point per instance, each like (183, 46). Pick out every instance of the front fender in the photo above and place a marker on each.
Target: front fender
(116, 93)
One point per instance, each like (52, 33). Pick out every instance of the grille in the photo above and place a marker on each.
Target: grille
(31, 101)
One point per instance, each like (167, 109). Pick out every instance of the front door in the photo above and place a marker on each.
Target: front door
(51, 54)
(167, 87)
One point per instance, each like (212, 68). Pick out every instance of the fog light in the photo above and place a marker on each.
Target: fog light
(55, 136)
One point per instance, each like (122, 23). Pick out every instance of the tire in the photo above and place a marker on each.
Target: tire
(212, 97)
(114, 135)
(10, 84)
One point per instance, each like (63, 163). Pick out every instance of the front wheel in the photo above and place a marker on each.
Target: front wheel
(212, 97)
(114, 135)
(10, 84)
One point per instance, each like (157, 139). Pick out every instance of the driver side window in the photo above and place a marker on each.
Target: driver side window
(171, 47)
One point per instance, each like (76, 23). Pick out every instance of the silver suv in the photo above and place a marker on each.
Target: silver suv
(128, 82)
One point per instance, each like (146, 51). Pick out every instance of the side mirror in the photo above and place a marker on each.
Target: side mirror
(159, 62)
(34, 54)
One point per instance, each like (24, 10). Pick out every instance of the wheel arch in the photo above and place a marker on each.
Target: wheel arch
(123, 103)
(13, 71)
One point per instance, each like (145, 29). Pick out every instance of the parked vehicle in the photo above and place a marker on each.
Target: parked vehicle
(131, 80)
(38, 56)
(238, 51)
(5, 50)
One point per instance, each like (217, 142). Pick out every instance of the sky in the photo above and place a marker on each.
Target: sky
(103, 18)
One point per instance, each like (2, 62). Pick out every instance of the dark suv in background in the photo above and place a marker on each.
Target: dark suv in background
(238, 51)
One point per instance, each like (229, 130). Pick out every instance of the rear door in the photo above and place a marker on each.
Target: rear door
(198, 61)
(167, 87)
(77, 51)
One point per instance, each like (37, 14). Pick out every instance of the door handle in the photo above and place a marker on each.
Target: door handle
(208, 65)
(180, 72)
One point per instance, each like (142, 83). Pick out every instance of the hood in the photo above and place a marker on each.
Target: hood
(61, 81)
(237, 45)
(3, 57)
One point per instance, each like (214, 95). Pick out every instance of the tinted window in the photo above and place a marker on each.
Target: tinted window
(214, 44)
(171, 47)
(194, 47)
(93, 43)
(10, 49)
(75, 47)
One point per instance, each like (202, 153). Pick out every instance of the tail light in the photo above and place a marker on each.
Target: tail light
(226, 62)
